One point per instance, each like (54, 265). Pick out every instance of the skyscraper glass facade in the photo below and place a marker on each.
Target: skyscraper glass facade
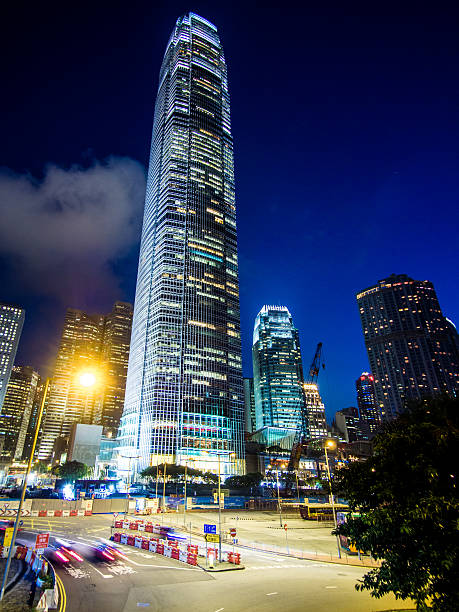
(315, 410)
(411, 347)
(277, 369)
(11, 322)
(184, 396)
(370, 413)
(17, 410)
(96, 343)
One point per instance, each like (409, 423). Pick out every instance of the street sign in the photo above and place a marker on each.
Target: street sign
(42, 540)
(232, 532)
(215, 498)
(212, 537)
(285, 526)
(210, 528)
(8, 536)
(40, 551)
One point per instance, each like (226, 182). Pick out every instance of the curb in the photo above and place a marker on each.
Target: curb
(222, 569)
(22, 571)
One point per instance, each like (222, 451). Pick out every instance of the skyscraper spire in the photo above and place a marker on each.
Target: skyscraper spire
(184, 398)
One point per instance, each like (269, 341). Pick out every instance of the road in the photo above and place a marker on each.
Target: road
(268, 583)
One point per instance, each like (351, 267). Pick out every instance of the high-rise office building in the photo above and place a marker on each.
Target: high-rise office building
(315, 410)
(410, 344)
(115, 356)
(17, 410)
(369, 410)
(249, 405)
(184, 397)
(94, 343)
(277, 369)
(30, 434)
(11, 322)
(348, 424)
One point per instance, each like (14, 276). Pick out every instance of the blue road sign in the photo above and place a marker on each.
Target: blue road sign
(210, 528)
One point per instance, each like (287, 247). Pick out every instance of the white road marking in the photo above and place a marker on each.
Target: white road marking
(121, 569)
(273, 593)
(331, 587)
(183, 569)
(99, 572)
(219, 610)
(76, 572)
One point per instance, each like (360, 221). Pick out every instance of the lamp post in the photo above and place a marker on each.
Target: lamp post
(128, 484)
(184, 496)
(164, 493)
(24, 487)
(279, 505)
(219, 515)
(332, 444)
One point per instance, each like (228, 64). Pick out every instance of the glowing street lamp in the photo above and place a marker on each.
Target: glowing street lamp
(87, 379)
(331, 444)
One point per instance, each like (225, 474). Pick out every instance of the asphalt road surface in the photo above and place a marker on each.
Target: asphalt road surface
(269, 582)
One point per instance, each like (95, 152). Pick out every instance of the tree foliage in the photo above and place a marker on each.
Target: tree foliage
(244, 482)
(72, 470)
(407, 497)
(176, 473)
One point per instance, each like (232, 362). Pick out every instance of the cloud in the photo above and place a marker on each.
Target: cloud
(63, 234)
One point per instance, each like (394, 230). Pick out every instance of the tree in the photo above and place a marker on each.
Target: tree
(176, 473)
(72, 470)
(244, 482)
(41, 467)
(407, 499)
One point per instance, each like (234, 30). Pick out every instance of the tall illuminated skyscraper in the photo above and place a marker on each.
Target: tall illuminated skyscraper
(11, 322)
(370, 413)
(277, 369)
(411, 346)
(17, 410)
(184, 398)
(96, 343)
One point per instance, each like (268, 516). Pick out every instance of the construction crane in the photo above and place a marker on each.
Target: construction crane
(302, 434)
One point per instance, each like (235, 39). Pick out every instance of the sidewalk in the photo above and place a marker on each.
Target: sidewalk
(15, 600)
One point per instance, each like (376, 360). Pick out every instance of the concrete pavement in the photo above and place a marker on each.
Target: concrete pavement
(270, 581)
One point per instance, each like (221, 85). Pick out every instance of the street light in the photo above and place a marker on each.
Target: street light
(332, 444)
(231, 455)
(128, 485)
(279, 505)
(24, 486)
(86, 379)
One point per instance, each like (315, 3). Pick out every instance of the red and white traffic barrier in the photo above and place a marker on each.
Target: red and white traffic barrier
(168, 549)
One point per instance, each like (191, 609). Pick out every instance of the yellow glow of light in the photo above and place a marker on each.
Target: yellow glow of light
(87, 379)
(330, 444)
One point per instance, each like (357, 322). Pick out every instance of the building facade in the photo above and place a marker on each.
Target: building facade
(184, 394)
(84, 443)
(17, 410)
(11, 323)
(277, 370)
(348, 424)
(115, 356)
(410, 345)
(315, 410)
(89, 343)
(30, 434)
(249, 405)
(369, 410)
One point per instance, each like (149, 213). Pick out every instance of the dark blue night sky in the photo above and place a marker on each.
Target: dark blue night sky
(346, 154)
